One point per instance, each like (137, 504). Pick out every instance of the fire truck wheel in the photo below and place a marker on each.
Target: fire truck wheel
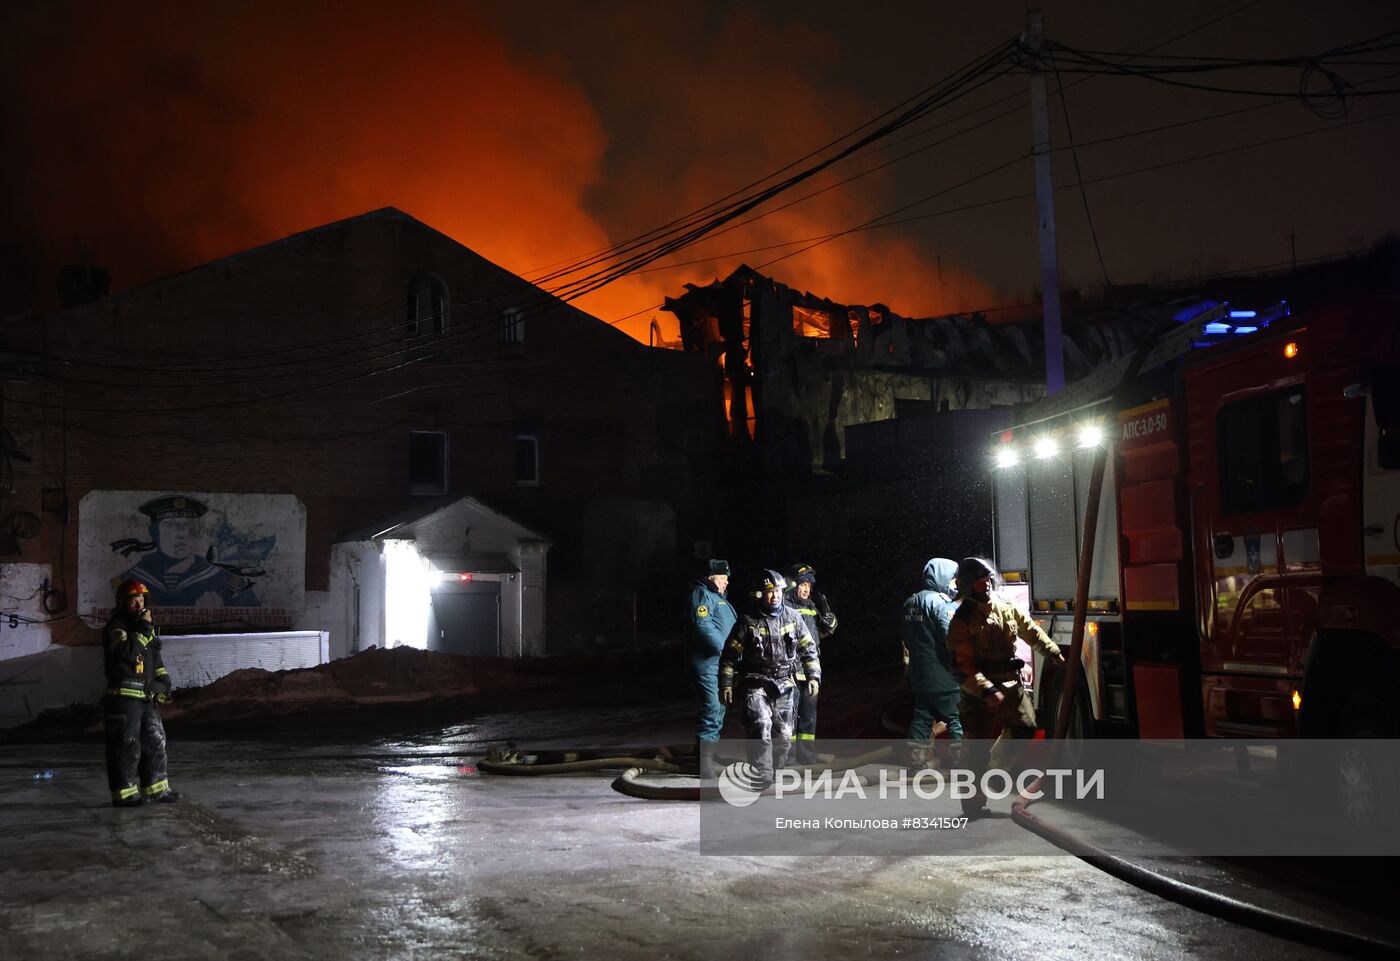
(1081, 719)
(1366, 776)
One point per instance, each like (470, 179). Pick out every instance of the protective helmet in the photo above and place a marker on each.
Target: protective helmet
(803, 573)
(129, 588)
(971, 570)
(768, 581)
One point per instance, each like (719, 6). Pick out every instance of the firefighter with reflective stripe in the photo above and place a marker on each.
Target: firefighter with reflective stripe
(767, 646)
(982, 637)
(932, 678)
(709, 619)
(803, 597)
(136, 682)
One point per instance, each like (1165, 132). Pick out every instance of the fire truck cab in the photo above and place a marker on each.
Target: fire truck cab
(1246, 576)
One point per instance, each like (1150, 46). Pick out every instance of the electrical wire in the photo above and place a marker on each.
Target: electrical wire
(882, 221)
(1079, 176)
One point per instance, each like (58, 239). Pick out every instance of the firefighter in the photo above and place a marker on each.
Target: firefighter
(766, 648)
(709, 619)
(812, 604)
(137, 682)
(932, 677)
(982, 637)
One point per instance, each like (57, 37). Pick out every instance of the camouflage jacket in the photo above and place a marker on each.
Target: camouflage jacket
(982, 638)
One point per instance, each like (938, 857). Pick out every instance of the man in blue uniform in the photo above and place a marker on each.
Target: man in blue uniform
(709, 619)
(932, 678)
(812, 604)
(762, 655)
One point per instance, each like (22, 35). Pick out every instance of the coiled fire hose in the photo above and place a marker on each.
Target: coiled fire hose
(628, 784)
(509, 761)
(672, 759)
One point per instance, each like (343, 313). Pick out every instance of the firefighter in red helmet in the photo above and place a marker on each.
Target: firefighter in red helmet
(137, 682)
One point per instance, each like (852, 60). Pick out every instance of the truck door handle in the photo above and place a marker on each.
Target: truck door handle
(1373, 530)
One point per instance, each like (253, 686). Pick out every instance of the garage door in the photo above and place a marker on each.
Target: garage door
(468, 619)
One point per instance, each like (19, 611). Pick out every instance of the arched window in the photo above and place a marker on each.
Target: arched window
(428, 303)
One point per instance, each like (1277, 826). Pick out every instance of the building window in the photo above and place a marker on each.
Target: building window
(1262, 445)
(527, 459)
(427, 462)
(513, 326)
(428, 305)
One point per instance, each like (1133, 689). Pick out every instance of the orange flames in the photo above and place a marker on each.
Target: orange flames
(150, 143)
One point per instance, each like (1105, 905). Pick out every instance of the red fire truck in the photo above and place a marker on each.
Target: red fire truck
(1246, 577)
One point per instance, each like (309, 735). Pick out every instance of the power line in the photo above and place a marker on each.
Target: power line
(1079, 176)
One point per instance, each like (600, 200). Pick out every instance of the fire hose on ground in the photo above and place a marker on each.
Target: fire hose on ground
(672, 759)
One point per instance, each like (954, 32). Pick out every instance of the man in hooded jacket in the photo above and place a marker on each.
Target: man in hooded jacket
(932, 675)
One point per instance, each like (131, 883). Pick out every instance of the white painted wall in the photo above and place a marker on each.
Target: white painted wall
(19, 592)
(395, 571)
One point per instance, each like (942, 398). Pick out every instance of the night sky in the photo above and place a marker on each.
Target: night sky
(151, 138)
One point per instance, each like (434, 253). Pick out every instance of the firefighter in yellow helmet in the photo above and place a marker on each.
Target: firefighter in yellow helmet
(982, 638)
(137, 682)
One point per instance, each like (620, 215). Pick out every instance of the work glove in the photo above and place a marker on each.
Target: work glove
(812, 688)
(726, 695)
(161, 685)
(906, 658)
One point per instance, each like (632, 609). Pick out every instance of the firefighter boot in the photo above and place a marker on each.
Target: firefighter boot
(705, 759)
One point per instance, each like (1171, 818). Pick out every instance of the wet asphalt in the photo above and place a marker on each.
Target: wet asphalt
(358, 848)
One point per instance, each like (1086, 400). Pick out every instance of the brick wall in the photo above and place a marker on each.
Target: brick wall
(289, 369)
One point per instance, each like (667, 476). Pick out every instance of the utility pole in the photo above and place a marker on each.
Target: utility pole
(1045, 209)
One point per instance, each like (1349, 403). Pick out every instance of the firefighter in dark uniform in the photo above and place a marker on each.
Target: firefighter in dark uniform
(709, 619)
(763, 654)
(982, 637)
(812, 604)
(136, 682)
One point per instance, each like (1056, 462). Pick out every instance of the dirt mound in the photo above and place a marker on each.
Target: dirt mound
(371, 678)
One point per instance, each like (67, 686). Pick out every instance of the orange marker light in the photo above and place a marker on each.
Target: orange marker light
(1297, 701)
(1290, 350)
(1092, 627)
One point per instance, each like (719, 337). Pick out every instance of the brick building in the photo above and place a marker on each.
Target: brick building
(349, 375)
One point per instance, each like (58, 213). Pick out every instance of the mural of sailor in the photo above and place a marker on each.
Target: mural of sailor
(176, 571)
